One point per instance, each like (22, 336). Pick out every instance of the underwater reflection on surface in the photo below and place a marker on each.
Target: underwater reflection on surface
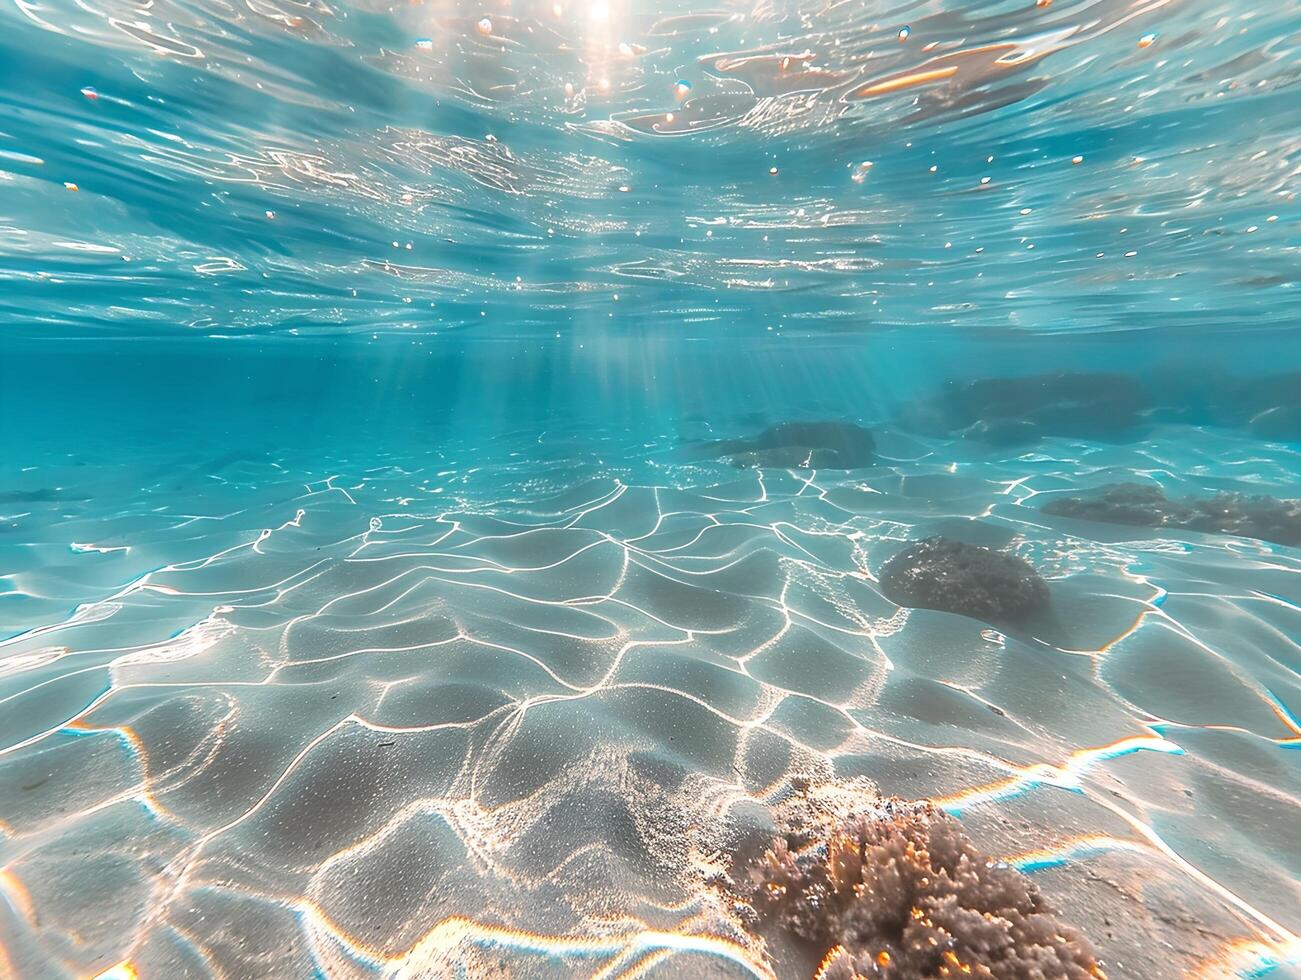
(518, 168)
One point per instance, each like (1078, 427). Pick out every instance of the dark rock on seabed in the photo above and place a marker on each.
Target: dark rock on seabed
(818, 445)
(1145, 505)
(1268, 407)
(1281, 423)
(953, 576)
(1007, 411)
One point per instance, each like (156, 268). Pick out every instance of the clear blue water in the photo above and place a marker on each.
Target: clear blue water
(394, 580)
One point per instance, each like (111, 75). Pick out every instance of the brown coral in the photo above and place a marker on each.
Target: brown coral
(901, 892)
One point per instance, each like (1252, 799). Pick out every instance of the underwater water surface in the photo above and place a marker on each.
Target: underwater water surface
(516, 489)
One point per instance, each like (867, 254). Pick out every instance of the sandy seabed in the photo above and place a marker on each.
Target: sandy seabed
(513, 710)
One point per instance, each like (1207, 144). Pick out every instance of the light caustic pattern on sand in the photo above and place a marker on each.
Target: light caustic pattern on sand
(347, 729)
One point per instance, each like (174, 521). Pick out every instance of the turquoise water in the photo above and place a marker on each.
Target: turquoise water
(404, 567)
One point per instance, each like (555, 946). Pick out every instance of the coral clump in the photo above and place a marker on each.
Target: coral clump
(953, 576)
(901, 892)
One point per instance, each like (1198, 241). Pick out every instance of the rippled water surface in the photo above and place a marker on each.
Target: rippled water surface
(407, 564)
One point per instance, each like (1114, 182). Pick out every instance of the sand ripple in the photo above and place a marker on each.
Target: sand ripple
(372, 722)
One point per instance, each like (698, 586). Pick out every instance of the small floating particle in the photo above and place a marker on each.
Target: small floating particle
(1147, 40)
(682, 88)
(624, 188)
(270, 214)
(934, 168)
(1043, 3)
(1025, 210)
(773, 171)
(425, 43)
(484, 26)
(905, 32)
(119, 971)
(1130, 255)
(407, 198)
(569, 90)
(1077, 160)
(71, 186)
(984, 181)
(90, 93)
(668, 117)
